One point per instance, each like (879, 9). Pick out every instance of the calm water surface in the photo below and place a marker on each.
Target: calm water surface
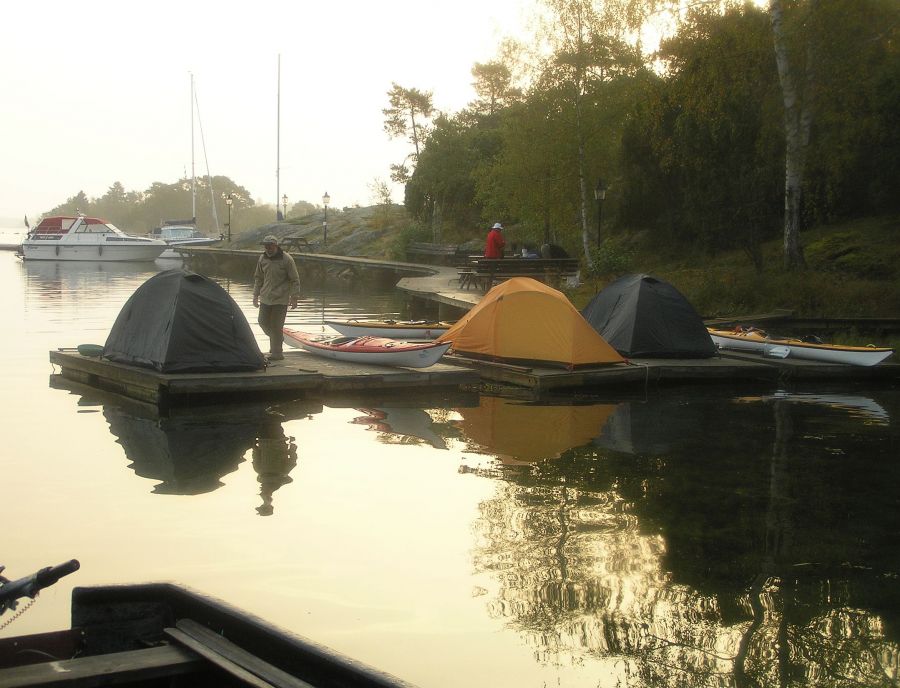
(668, 538)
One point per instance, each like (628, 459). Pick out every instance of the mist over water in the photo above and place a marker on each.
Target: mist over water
(672, 536)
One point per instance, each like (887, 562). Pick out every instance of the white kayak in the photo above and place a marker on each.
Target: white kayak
(749, 339)
(396, 329)
(373, 350)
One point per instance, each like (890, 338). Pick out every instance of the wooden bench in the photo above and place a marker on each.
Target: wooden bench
(483, 273)
(443, 254)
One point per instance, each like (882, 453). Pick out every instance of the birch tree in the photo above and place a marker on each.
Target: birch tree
(587, 54)
(798, 118)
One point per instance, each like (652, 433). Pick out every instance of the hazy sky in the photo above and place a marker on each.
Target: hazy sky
(97, 92)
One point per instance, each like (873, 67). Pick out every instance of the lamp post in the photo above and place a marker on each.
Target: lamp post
(284, 205)
(229, 200)
(599, 195)
(325, 200)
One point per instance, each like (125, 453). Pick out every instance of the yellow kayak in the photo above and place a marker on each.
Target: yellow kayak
(757, 341)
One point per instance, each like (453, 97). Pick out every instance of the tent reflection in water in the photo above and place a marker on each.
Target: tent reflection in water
(642, 316)
(181, 322)
(525, 320)
(520, 432)
(189, 456)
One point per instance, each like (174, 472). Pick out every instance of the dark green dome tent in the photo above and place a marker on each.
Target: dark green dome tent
(642, 316)
(181, 322)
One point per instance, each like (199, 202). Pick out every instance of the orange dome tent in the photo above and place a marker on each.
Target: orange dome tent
(523, 319)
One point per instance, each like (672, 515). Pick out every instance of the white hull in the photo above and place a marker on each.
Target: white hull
(43, 250)
(173, 246)
(350, 328)
(837, 355)
(738, 344)
(418, 357)
(824, 353)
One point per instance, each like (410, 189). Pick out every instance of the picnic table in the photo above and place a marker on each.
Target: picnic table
(482, 273)
(289, 243)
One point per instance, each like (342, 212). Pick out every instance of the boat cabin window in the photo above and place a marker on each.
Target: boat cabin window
(94, 229)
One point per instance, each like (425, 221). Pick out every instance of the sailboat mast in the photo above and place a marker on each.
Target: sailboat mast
(193, 178)
(278, 145)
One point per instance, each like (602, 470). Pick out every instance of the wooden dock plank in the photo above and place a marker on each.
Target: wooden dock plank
(299, 374)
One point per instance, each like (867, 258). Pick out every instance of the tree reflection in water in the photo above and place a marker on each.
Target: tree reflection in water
(707, 541)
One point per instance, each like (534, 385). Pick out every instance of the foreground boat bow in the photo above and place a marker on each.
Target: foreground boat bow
(149, 634)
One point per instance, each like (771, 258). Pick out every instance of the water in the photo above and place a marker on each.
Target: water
(699, 536)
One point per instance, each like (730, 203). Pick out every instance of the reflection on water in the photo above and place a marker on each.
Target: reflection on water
(522, 432)
(274, 456)
(187, 456)
(49, 281)
(190, 453)
(401, 425)
(696, 553)
(698, 536)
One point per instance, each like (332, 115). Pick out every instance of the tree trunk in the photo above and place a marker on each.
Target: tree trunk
(582, 180)
(797, 126)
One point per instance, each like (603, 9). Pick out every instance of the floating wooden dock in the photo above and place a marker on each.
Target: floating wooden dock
(305, 376)
(299, 375)
(731, 367)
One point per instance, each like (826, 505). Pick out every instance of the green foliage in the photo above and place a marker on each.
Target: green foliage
(408, 114)
(725, 285)
(441, 192)
(694, 149)
(701, 152)
(139, 212)
(401, 240)
(613, 257)
(851, 254)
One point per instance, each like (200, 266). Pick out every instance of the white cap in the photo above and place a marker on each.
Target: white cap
(497, 225)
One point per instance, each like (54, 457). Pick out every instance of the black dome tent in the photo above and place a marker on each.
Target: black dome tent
(181, 322)
(642, 316)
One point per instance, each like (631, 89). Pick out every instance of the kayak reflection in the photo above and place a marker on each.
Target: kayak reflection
(399, 425)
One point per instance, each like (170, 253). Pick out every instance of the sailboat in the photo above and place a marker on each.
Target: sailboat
(184, 233)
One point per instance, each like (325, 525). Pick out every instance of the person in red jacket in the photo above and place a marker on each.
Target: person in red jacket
(493, 247)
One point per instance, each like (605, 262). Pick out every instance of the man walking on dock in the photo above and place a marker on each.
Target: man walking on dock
(276, 284)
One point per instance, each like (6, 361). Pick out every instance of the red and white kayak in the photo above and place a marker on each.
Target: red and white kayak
(376, 350)
(750, 339)
(396, 329)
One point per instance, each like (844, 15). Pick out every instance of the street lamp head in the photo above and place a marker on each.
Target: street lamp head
(229, 200)
(326, 199)
(600, 190)
(284, 199)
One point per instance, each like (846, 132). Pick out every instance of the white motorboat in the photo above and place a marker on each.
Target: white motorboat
(182, 235)
(64, 237)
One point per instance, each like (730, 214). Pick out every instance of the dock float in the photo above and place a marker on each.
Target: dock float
(299, 375)
(723, 368)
